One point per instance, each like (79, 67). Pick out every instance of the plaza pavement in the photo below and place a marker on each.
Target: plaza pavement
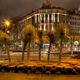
(16, 58)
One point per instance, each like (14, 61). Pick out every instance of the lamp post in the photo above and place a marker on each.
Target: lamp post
(7, 25)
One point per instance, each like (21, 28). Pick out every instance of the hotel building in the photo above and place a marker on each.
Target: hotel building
(47, 17)
(44, 18)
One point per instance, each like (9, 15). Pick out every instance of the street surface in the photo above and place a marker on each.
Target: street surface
(16, 56)
(20, 76)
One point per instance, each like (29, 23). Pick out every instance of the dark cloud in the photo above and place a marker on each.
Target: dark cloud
(17, 7)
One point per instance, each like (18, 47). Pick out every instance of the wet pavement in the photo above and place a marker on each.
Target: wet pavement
(21, 76)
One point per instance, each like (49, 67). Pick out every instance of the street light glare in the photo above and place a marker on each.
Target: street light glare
(7, 23)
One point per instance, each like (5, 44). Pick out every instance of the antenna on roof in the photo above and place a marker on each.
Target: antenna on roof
(47, 2)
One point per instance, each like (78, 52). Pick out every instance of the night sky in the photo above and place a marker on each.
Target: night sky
(12, 8)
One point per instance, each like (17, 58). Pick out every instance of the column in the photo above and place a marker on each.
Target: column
(35, 18)
(53, 17)
(52, 21)
(40, 22)
(58, 17)
(44, 23)
(38, 18)
(48, 22)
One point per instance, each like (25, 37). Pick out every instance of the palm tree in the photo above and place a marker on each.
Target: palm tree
(51, 39)
(28, 34)
(40, 37)
(5, 39)
(62, 33)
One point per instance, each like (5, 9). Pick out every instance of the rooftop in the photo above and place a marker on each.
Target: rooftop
(44, 6)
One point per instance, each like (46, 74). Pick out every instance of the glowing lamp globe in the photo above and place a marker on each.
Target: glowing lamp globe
(7, 23)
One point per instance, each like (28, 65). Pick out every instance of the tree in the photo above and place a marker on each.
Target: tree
(62, 33)
(40, 37)
(51, 40)
(5, 39)
(28, 34)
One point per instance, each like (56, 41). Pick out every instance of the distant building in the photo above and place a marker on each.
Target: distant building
(74, 22)
(44, 18)
(47, 17)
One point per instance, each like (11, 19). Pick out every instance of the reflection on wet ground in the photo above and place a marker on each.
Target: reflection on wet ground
(21, 76)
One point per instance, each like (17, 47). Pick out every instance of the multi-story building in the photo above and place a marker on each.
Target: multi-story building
(45, 18)
(74, 22)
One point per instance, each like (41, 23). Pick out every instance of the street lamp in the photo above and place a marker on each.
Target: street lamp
(7, 23)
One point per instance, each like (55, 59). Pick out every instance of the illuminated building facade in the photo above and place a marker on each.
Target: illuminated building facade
(74, 22)
(45, 18)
